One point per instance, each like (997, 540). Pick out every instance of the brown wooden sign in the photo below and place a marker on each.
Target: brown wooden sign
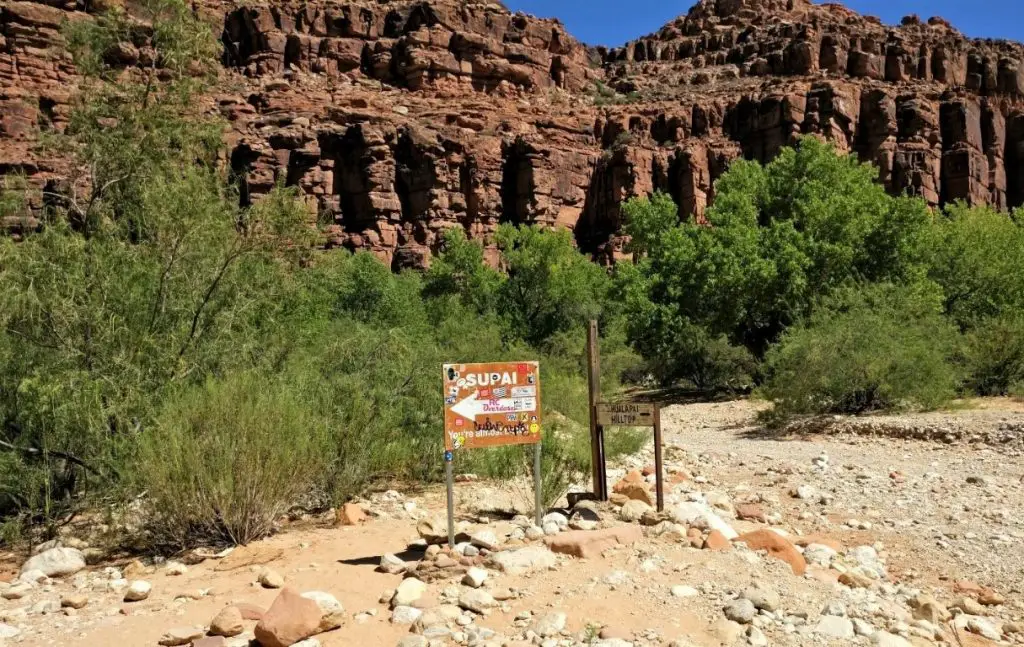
(625, 414)
(493, 404)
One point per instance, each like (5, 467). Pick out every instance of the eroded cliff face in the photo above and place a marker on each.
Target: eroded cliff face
(400, 119)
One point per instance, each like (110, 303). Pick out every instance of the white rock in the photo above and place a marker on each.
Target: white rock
(405, 615)
(549, 624)
(740, 610)
(35, 576)
(476, 600)
(556, 517)
(983, 627)
(763, 597)
(524, 560)
(819, 555)
(392, 564)
(756, 637)
(270, 579)
(7, 631)
(309, 642)
(485, 539)
(835, 627)
(332, 614)
(56, 562)
(138, 591)
(175, 568)
(698, 515)
(475, 577)
(410, 590)
(551, 528)
(681, 591)
(863, 627)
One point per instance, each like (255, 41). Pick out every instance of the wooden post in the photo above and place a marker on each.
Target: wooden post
(596, 432)
(659, 470)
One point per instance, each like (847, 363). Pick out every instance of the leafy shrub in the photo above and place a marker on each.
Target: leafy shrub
(994, 355)
(879, 347)
(224, 461)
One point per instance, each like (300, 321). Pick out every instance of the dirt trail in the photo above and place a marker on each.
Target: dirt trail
(934, 512)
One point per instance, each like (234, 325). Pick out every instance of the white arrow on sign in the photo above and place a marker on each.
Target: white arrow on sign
(471, 406)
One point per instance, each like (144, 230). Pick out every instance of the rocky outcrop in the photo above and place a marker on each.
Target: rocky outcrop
(399, 119)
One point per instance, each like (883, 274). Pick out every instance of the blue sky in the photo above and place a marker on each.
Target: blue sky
(613, 22)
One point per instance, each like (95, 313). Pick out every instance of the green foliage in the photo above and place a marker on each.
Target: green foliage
(227, 459)
(994, 355)
(977, 256)
(876, 347)
(551, 288)
(460, 271)
(779, 237)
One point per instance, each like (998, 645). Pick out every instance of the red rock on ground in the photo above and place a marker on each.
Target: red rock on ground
(588, 544)
(290, 619)
(350, 514)
(716, 541)
(750, 512)
(637, 491)
(777, 546)
(250, 611)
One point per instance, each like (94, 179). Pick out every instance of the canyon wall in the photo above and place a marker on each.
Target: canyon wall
(400, 119)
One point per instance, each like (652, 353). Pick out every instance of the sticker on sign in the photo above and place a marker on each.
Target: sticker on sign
(493, 404)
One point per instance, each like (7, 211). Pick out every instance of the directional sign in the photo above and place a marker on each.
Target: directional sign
(488, 405)
(625, 414)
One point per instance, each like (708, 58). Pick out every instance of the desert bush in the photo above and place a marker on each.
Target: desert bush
(994, 355)
(876, 347)
(225, 460)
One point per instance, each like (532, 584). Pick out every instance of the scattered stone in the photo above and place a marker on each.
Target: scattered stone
(716, 541)
(855, 580)
(220, 641)
(227, 623)
(983, 628)
(819, 555)
(408, 592)
(777, 546)
(181, 636)
(991, 598)
(412, 641)
(74, 600)
(475, 577)
(751, 512)
(351, 514)
(405, 615)
(588, 544)
(835, 627)
(928, 608)
(740, 610)
(804, 492)
(699, 515)
(392, 564)
(763, 597)
(138, 591)
(633, 510)
(476, 600)
(56, 562)
(756, 637)
(175, 569)
(290, 619)
(969, 606)
(485, 539)
(549, 624)
(270, 579)
(680, 591)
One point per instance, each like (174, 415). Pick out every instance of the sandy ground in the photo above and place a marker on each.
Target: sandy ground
(937, 511)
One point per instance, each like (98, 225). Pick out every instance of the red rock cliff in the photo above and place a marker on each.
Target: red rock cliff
(399, 119)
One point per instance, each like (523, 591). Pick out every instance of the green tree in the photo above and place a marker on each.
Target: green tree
(778, 238)
(874, 347)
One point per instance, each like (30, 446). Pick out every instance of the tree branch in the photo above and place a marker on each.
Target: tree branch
(32, 451)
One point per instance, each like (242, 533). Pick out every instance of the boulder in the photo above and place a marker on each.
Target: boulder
(408, 592)
(350, 514)
(289, 619)
(227, 623)
(332, 614)
(587, 544)
(526, 560)
(56, 562)
(777, 546)
(138, 591)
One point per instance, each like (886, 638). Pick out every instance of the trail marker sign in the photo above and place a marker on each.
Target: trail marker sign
(625, 414)
(491, 405)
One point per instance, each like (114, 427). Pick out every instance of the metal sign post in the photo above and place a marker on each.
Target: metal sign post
(596, 430)
(538, 503)
(491, 405)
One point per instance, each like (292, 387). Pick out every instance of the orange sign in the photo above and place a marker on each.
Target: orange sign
(488, 405)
